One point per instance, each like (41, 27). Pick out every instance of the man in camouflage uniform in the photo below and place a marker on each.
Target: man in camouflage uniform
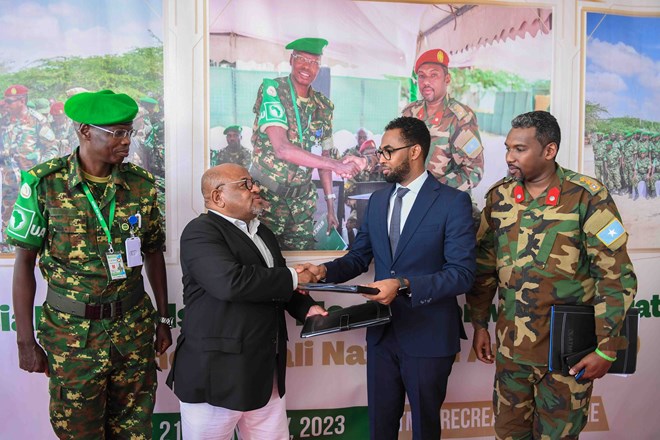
(153, 147)
(234, 152)
(655, 155)
(89, 217)
(547, 236)
(27, 140)
(630, 153)
(456, 157)
(599, 150)
(62, 126)
(613, 160)
(643, 173)
(291, 119)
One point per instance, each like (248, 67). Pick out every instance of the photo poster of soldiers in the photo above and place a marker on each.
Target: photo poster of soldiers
(363, 78)
(36, 79)
(622, 122)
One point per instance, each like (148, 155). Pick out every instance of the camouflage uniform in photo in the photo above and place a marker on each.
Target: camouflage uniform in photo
(630, 154)
(456, 157)
(153, 156)
(567, 246)
(241, 156)
(642, 173)
(26, 142)
(286, 186)
(613, 167)
(66, 137)
(103, 365)
(600, 150)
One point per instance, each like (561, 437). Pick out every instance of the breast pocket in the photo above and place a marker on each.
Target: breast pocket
(71, 237)
(503, 224)
(560, 249)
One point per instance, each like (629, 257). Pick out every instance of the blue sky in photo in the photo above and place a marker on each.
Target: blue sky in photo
(40, 29)
(623, 65)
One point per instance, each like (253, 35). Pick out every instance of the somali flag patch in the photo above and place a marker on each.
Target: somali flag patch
(610, 233)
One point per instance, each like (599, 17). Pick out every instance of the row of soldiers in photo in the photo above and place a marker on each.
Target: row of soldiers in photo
(628, 163)
(33, 131)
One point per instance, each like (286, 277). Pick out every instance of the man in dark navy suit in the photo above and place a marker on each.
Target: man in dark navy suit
(420, 235)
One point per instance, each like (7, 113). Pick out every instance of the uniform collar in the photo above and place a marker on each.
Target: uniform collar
(76, 176)
(550, 197)
(423, 114)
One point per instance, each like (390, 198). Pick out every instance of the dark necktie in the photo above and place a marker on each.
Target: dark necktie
(395, 222)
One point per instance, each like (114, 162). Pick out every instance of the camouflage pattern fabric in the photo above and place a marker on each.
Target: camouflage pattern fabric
(72, 261)
(26, 142)
(241, 156)
(530, 402)
(630, 153)
(567, 246)
(456, 157)
(613, 167)
(290, 219)
(600, 150)
(643, 167)
(295, 229)
(66, 137)
(368, 175)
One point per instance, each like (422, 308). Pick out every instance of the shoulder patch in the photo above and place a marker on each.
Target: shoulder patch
(613, 235)
(48, 167)
(134, 169)
(589, 183)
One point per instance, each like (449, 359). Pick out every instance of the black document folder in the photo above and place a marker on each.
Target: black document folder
(572, 336)
(342, 288)
(349, 318)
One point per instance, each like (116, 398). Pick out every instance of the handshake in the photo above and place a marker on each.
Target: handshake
(310, 273)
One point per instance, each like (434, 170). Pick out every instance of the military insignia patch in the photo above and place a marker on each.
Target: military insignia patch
(469, 143)
(611, 233)
(271, 91)
(26, 191)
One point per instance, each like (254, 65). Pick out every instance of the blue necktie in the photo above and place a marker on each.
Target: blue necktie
(395, 222)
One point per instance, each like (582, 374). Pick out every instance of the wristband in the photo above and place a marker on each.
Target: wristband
(330, 196)
(604, 356)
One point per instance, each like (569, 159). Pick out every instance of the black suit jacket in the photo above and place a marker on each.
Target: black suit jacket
(234, 332)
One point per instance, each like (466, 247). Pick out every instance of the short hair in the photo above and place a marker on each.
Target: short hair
(547, 128)
(413, 131)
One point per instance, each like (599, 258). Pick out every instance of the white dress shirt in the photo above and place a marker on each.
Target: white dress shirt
(407, 201)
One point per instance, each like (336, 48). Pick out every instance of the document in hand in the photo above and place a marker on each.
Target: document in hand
(573, 336)
(349, 318)
(342, 288)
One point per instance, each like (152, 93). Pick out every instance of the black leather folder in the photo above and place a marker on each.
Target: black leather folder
(349, 318)
(342, 288)
(572, 336)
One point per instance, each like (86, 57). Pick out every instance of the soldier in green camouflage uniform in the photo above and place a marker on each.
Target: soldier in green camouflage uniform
(548, 236)
(88, 217)
(599, 150)
(291, 119)
(643, 173)
(153, 148)
(630, 153)
(456, 157)
(655, 155)
(65, 132)
(613, 161)
(27, 141)
(234, 152)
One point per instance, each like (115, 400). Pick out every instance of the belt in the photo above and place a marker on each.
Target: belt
(108, 310)
(288, 192)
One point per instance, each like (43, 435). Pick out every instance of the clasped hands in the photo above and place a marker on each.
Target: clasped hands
(388, 287)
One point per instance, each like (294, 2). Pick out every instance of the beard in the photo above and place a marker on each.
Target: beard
(398, 174)
(259, 206)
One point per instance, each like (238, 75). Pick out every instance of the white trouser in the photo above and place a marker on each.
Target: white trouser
(201, 421)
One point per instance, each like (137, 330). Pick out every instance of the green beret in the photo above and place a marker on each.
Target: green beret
(148, 100)
(310, 45)
(237, 128)
(101, 108)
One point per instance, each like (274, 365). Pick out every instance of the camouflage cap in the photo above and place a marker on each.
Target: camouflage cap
(42, 105)
(437, 56)
(310, 45)
(101, 108)
(16, 90)
(237, 128)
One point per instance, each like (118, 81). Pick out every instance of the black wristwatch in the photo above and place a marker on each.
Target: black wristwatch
(169, 321)
(403, 289)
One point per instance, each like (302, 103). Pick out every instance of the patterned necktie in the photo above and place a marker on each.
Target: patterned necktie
(395, 223)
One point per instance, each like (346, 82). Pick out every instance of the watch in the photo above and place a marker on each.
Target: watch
(403, 288)
(168, 321)
(330, 196)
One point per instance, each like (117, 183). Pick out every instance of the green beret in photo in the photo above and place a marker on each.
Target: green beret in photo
(101, 108)
(310, 45)
(237, 128)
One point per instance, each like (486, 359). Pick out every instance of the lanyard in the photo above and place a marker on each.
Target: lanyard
(294, 98)
(99, 215)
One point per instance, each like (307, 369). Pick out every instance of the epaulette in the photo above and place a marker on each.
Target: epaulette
(500, 182)
(459, 109)
(589, 183)
(48, 167)
(139, 171)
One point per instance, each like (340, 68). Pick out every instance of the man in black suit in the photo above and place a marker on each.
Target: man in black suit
(420, 235)
(230, 359)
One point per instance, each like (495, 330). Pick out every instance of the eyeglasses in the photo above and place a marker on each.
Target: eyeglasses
(304, 60)
(387, 154)
(121, 133)
(248, 183)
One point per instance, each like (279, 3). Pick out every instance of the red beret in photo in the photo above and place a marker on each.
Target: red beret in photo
(437, 56)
